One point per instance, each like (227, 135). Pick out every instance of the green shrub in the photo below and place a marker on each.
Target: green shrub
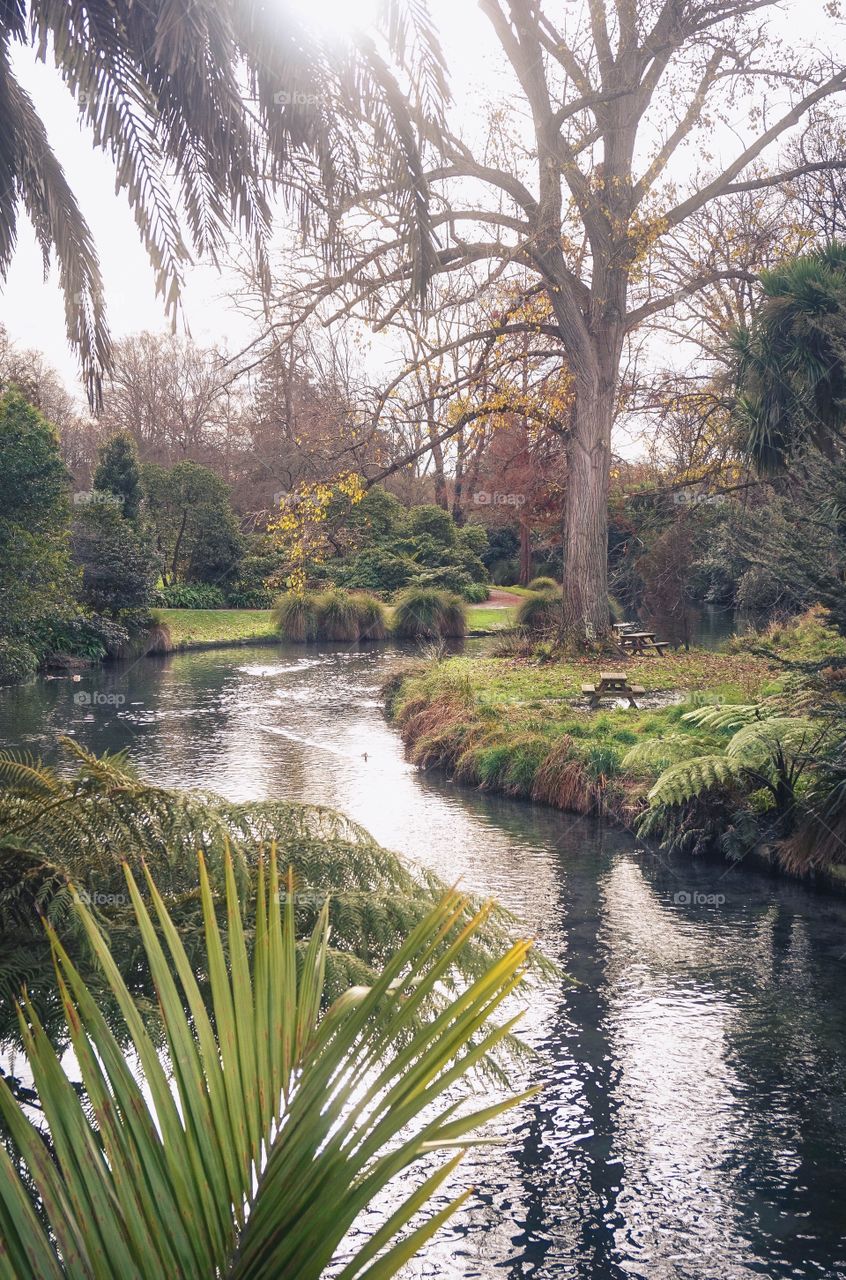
(118, 569)
(476, 593)
(540, 612)
(191, 595)
(445, 578)
(91, 637)
(249, 598)
(375, 569)
(17, 661)
(429, 614)
(544, 584)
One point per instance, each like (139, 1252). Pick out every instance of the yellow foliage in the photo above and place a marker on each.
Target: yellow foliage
(299, 529)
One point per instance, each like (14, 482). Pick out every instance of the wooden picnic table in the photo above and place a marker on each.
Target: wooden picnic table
(642, 642)
(612, 684)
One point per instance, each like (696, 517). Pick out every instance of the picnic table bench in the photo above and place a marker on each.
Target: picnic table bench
(612, 684)
(641, 642)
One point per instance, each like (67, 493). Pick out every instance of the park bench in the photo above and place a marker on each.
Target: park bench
(612, 684)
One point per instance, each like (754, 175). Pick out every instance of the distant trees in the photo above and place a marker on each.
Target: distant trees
(118, 473)
(170, 396)
(194, 529)
(35, 571)
(592, 200)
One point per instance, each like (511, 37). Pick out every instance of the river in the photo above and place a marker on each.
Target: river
(692, 1123)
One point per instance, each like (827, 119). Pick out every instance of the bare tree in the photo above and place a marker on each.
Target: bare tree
(175, 398)
(610, 153)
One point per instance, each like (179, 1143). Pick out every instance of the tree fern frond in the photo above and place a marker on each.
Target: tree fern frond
(726, 715)
(660, 753)
(755, 743)
(691, 778)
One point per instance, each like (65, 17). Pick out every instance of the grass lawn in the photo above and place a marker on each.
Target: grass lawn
(207, 628)
(199, 628)
(481, 617)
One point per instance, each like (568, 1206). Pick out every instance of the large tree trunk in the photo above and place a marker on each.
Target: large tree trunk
(441, 496)
(586, 613)
(525, 553)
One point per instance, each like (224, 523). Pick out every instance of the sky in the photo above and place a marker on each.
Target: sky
(31, 309)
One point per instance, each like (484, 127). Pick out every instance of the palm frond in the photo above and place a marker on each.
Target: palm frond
(279, 1126)
(230, 103)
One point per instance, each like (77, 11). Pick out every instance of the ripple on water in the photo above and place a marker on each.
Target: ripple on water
(692, 1119)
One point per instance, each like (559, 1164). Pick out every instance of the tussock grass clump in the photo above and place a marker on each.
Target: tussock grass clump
(427, 613)
(341, 616)
(337, 616)
(544, 584)
(158, 638)
(295, 618)
(435, 731)
(540, 613)
(562, 781)
(372, 617)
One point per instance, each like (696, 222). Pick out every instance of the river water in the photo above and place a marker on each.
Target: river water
(692, 1122)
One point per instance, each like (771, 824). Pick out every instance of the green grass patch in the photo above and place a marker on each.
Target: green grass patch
(481, 617)
(209, 628)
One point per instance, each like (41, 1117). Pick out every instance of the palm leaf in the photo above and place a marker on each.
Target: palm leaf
(278, 1126)
(184, 98)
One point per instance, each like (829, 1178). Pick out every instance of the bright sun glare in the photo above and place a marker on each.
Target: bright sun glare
(339, 15)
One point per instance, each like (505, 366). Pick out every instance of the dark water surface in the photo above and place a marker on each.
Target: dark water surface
(693, 1118)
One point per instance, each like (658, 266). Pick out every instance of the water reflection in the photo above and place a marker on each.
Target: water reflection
(693, 1118)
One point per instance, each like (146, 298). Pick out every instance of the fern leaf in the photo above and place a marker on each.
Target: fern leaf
(691, 778)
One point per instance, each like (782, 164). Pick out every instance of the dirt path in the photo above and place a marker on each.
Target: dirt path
(502, 599)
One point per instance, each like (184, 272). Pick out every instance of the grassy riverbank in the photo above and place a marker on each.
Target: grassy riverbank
(738, 753)
(522, 728)
(211, 628)
(216, 628)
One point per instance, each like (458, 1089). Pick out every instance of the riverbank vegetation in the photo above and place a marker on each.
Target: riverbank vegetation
(728, 752)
